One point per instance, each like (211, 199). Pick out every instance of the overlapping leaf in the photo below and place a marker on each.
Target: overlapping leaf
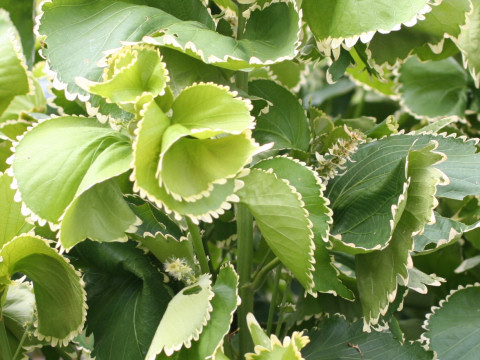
(283, 221)
(469, 43)
(380, 272)
(61, 158)
(126, 296)
(200, 150)
(452, 328)
(132, 20)
(305, 181)
(58, 288)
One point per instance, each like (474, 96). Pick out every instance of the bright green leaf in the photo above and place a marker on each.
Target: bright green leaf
(186, 315)
(283, 221)
(62, 157)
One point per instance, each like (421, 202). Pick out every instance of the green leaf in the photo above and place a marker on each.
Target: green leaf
(283, 221)
(418, 280)
(224, 305)
(271, 36)
(285, 123)
(444, 19)
(132, 20)
(130, 72)
(423, 84)
(62, 157)
(469, 42)
(12, 222)
(380, 272)
(99, 214)
(310, 187)
(289, 73)
(13, 73)
(126, 297)
(349, 20)
(58, 288)
(440, 234)
(271, 348)
(335, 338)
(156, 138)
(186, 315)
(452, 328)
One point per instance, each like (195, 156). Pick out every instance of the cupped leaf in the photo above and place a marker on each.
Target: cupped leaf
(271, 36)
(61, 158)
(307, 183)
(126, 296)
(469, 43)
(99, 214)
(186, 315)
(224, 305)
(335, 338)
(132, 20)
(13, 73)
(350, 20)
(380, 272)
(58, 288)
(285, 123)
(155, 169)
(283, 221)
(130, 72)
(12, 222)
(452, 328)
(434, 88)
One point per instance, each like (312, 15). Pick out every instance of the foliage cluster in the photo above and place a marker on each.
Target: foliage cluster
(251, 179)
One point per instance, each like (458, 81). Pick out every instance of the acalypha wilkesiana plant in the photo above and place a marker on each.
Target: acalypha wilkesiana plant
(239, 179)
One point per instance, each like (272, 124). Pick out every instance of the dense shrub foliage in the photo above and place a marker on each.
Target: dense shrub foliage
(251, 179)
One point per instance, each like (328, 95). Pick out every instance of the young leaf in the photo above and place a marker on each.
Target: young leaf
(335, 338)
(285, 123)
(186, 316)
(307, 183)
(126, 297)
(380, 272)
(62, 157)
(281, 216)
(58, 288)
(452, 328)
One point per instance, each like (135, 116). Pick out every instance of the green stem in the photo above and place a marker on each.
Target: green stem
(244, 265)
(260, 277)
(4, 344)
(18, 352)
(273, 302)
(282, 311)
(198, 246)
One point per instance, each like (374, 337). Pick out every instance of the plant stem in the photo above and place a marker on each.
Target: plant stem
(244, 265)
(4, 344)
(18, 352)
(241, 77)
(273, 302)
(259, 277)
(198, 246)
(282, 311)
